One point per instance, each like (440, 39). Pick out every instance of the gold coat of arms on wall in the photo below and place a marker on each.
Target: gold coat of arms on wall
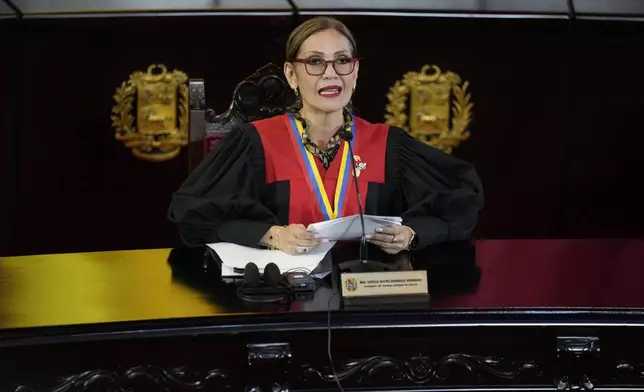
(158, 128)
(439, 109)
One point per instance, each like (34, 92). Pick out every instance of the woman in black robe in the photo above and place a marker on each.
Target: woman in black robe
(249, 190)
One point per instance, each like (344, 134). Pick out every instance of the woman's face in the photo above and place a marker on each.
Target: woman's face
(330, 91)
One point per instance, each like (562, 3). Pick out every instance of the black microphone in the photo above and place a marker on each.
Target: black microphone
(348, 137)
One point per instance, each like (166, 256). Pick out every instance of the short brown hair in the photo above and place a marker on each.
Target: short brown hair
(312, 26)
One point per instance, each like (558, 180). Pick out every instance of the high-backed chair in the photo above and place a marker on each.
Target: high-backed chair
(263, 94)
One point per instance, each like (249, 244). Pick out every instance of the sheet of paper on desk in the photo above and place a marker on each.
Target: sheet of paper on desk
(349, 228)
(237, 256)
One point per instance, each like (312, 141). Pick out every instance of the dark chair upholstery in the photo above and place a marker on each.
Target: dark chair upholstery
(263, 94)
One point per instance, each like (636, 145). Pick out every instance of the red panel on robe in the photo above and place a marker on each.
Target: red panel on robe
(283, 163)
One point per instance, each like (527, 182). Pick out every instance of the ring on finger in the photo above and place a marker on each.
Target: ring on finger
(301, 249)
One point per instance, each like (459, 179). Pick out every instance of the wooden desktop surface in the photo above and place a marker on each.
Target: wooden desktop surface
(138, 285)
(504, 315)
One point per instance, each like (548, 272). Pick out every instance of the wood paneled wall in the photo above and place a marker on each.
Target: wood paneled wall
(8, 130)
(604, 159)
(556, 134)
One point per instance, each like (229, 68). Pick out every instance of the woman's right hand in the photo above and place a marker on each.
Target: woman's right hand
(294, 239)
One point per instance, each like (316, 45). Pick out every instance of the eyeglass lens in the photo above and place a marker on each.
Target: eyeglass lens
(318, 67)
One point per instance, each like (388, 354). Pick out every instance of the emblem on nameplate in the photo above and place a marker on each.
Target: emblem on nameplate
(433, 106)
(360, 166)
(151, 113)
(351, 284)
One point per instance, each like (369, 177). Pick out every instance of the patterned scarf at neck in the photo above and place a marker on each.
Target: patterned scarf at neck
(327, 154)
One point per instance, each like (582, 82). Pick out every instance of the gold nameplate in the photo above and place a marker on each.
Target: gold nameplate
(372, 284)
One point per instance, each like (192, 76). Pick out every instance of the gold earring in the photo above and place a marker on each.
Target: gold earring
(296, 92)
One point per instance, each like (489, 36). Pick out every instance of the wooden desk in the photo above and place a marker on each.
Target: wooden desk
(507, 315)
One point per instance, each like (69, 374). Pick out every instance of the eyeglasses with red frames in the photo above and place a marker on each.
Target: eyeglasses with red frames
(317, 66)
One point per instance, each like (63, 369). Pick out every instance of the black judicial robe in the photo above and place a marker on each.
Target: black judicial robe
(261, 175)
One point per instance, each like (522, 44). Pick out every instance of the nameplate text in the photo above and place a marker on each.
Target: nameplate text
(384, 283)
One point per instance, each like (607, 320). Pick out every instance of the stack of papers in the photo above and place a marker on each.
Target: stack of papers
(349, 228)
(235, 257)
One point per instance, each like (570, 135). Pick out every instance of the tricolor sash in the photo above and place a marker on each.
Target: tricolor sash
(312, 174)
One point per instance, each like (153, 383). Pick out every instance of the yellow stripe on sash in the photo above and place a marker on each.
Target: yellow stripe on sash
(332, 213)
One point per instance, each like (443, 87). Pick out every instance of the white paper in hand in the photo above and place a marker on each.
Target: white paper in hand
(349, 228)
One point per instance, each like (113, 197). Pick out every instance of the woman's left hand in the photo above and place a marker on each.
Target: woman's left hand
(392, 239)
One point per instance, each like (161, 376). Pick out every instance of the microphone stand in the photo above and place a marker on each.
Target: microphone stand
(362, 264)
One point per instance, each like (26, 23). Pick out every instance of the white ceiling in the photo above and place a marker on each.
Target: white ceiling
(558, 6)
(4, 8)
(610, 7)
(63, 6)
(622, 7)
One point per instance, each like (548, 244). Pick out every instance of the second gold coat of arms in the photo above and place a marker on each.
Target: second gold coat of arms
(434, 107)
